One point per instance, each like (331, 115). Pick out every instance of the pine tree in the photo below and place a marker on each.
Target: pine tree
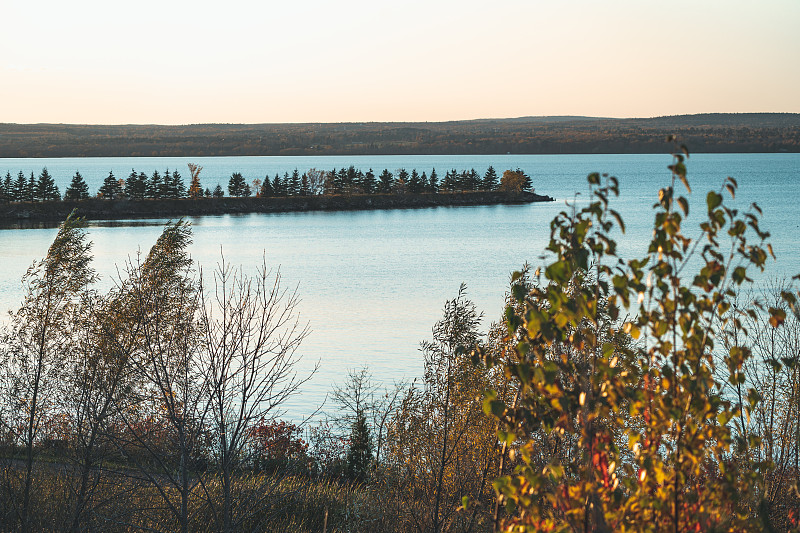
(267, 191)
(294, 183)
(359, 454)
(385, 182)
(177, 188)
(7, 187)
(218, 192)
(369, 183)
(154, 185)
(136, 185)
(401, 184)
(236, 184)
(305, 189)
(434, 182)
(19, 190)
(30, 190)
(276, 185)
(77, 190)
(490, 180)
(207, 194)
(46, 188)
(414, 182)
(111, 188)
(450, 181)
(167, 186)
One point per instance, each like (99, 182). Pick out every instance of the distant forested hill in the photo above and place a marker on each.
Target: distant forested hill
(745, 132)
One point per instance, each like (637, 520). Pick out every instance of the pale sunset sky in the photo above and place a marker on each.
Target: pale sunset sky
(236, 61)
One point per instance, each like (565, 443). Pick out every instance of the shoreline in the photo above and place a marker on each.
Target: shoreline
(99, 209)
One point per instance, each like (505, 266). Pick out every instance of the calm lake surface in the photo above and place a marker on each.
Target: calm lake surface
(373, 283)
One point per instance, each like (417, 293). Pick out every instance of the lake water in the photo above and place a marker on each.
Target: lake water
(373, 283)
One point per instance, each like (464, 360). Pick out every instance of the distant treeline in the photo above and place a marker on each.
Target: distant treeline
(314, 182)
(747, 132)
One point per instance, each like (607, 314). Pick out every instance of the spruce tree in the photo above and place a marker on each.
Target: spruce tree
(267, 190)
(154, 185)
(77, 190)
(294, 183)
(236, 184)
(490, 179)
(414, 182)
(46, 188)
(136, 185)
(19, 191)
(177, 188)
(305, 189)
(167, 189)
(110, 189)
(359, 454)
(30, 189)
(385, 182)
(434, 182)
(369, 183)
(218, 192)
(5, 190)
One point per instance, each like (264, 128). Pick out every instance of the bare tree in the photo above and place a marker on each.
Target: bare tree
(251, 334)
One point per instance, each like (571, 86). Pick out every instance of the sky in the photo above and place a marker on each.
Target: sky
(236, 61)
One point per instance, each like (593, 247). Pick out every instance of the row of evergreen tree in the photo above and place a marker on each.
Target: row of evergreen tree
(139, 185)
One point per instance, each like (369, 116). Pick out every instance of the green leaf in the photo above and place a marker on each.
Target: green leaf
(713, 200)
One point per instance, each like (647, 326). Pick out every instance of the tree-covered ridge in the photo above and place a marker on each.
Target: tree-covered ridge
(743, 132)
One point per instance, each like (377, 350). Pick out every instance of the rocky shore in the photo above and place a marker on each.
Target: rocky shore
(100, 209)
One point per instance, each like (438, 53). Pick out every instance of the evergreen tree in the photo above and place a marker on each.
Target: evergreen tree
(236, 184)
(267, 190)
(46, 188)
(218, 192)
(473, 181)
(424, 183)
(527, 183)
(401, 184)
(369, 183)
(305, 188)
(434, 182)
(351, 180)
(414, 182)
(276, 185)
(359, 454)
(30, 190)
(7, 187)
(385, 182)
(341, 181)
(136, 185)
(450, 181)
(207, 193)
(155, 185)
(167, 190)
(19, 191)
(490, 180)
(294, 183)
(111, 188)
(177, 189)
(77, 190)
